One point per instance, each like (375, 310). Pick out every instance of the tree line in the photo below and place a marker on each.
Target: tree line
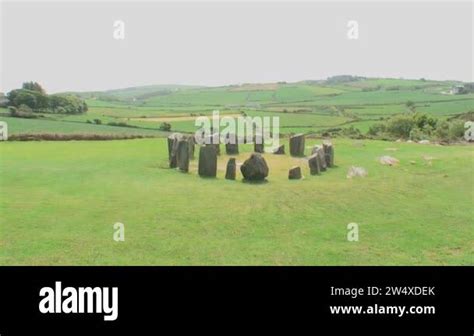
(32, 98)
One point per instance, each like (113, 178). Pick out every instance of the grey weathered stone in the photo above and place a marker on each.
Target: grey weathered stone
(230, 171)
(231, 144)
(258, 146)
(213, 140)
(191, 145)
(329, 154)
(232, 149)
(255, 168)
(279, 150)
(314, 164)
(207, 161)
(173, 140)
(182, 155)
(294, 173)
(321, 157)
(297, 145)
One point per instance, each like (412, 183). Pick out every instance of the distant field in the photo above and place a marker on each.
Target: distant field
(302, 107)
(62, 199)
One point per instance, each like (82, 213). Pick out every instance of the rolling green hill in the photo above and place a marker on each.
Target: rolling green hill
(307, 106)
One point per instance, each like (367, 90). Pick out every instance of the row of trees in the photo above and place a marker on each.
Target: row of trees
(33, 97)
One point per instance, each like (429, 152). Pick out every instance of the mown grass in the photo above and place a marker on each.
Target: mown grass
(60, 200)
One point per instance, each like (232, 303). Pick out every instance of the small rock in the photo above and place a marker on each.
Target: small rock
(294, 173)
(424, 142)
(231, 169)
(279, 150)
(356, 172)
(388, 160)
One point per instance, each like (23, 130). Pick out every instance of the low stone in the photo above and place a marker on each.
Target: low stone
(207, 161)
(314, 164)
(255, 168)
(258, 148)
(279, 150)
(388, 160)
(231, 169)
(294, 173)
(356, 172)
(231, 144)
(297, 145)
(182, 155)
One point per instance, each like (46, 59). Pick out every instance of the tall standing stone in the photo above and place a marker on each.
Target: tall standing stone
(230, 171)
(314, 164)
(173, 140)
(182, 155)
(191, 145)
(329, 154)
(321, 157)
(207, 161)
(255, 168)
(297, 145)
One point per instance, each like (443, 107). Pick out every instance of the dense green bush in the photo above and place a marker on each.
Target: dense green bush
(164, 126)
(418, 127)
(34, 96)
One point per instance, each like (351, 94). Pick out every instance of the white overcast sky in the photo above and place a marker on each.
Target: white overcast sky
(70, 46)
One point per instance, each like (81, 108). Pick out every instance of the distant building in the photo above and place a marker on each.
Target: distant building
(458, 89)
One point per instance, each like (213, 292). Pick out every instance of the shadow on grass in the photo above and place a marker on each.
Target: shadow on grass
(251, 182)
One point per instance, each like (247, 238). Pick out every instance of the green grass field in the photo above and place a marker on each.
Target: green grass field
(60, 200)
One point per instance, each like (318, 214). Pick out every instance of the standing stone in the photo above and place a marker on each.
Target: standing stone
(231, 169)
(314, 164)
(255, 168)
(294, 173)
(182, 156)
(321, 157)
(329, 154)
(213, 140)
(232, 145)
(191, 145)
(258, 146)
(279, 150)
(297, 145)
(232, 149)
(207, 161)
(173, 140)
